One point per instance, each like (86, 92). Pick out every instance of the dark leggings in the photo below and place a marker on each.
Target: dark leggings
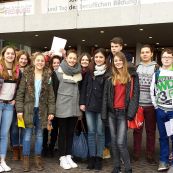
(66, 131)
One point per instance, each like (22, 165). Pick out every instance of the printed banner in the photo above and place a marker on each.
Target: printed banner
(17, 8)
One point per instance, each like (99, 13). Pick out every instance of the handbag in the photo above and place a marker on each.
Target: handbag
(138, 120)
(80, 145)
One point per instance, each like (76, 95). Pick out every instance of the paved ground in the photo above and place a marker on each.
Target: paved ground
(52, 166)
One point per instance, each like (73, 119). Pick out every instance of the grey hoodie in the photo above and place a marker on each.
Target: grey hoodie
(145, 73)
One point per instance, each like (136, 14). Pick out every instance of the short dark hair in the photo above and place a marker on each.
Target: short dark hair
(72, 51)
(168, 50)
(117, 40)
(148, 46)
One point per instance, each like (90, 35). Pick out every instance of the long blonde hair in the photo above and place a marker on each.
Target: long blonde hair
(123, 77)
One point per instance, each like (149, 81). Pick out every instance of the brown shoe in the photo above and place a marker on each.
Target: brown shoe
(150, 159)
(39, 163)
(20, 152)
(15, 153)
(26, 163)
(136, 157)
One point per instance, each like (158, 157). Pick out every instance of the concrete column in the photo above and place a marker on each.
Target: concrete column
(1, 44)
(79, 49)
(138, 50)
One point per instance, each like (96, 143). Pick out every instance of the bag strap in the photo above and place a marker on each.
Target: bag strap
(82, 125)
(131, 88)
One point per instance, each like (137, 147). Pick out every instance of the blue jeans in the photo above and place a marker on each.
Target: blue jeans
(162, 117)
(38, 135)
(96, 134)
(16, 132)
(6, 115)
(118, 129)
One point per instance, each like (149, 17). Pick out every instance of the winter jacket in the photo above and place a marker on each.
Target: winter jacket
(67, 102)
(25, 97)
(131, 105)
(92, 91)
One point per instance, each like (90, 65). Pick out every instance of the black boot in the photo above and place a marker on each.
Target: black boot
(98, 163)
(91, 163)
(116, 170)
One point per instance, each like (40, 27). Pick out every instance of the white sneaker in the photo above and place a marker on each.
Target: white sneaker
(5, 167)
(63, 163)
(1, 169)
(71, 162)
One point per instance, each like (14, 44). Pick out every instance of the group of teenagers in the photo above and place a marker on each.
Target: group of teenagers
(105, 89)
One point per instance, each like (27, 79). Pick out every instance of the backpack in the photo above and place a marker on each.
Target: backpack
(157, 73)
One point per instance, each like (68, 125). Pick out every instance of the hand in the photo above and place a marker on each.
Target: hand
(20, 116)
(50, 117)
(63, 51)
(130, 118)
(51, 53)
(12, 102)
(82, 108)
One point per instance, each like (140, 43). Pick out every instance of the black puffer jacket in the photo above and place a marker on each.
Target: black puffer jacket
(131, 105)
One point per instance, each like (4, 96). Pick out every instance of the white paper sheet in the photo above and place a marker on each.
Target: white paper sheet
(57, 45)
(169, 127)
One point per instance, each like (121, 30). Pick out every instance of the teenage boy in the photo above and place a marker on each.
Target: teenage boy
(162, 98)
(116, 46)
(145, 70)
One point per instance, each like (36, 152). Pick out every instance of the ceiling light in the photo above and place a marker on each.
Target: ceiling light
(157, 43)
(141, 29)
(125, 44)
(101, 32)
(163, 48)
(83, 40)
(96, 45)
(150, 37)
(36, 35)
(45, 47)
(69, 46)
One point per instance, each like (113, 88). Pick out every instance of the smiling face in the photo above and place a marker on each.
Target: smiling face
(84, 61)
(9, 55)
(146, 54)
(118, 62)
(167, 60)
(23, 60)
(99, 59)
(55, 63)
(39, 62)
(71, 59)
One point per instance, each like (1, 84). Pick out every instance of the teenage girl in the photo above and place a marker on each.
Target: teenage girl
(35, 103)
(9, 75)
(118, 107)
(91, 103)
(67, 106)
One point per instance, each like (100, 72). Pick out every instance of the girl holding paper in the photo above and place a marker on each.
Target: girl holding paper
(35, 103)
(9, 75)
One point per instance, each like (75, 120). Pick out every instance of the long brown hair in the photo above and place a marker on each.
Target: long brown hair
(92, 64)
(123, 77)
(4, 71)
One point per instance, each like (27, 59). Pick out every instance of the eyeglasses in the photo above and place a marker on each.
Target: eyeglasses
(167, 57)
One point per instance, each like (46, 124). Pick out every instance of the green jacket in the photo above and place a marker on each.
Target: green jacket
(25, 97)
